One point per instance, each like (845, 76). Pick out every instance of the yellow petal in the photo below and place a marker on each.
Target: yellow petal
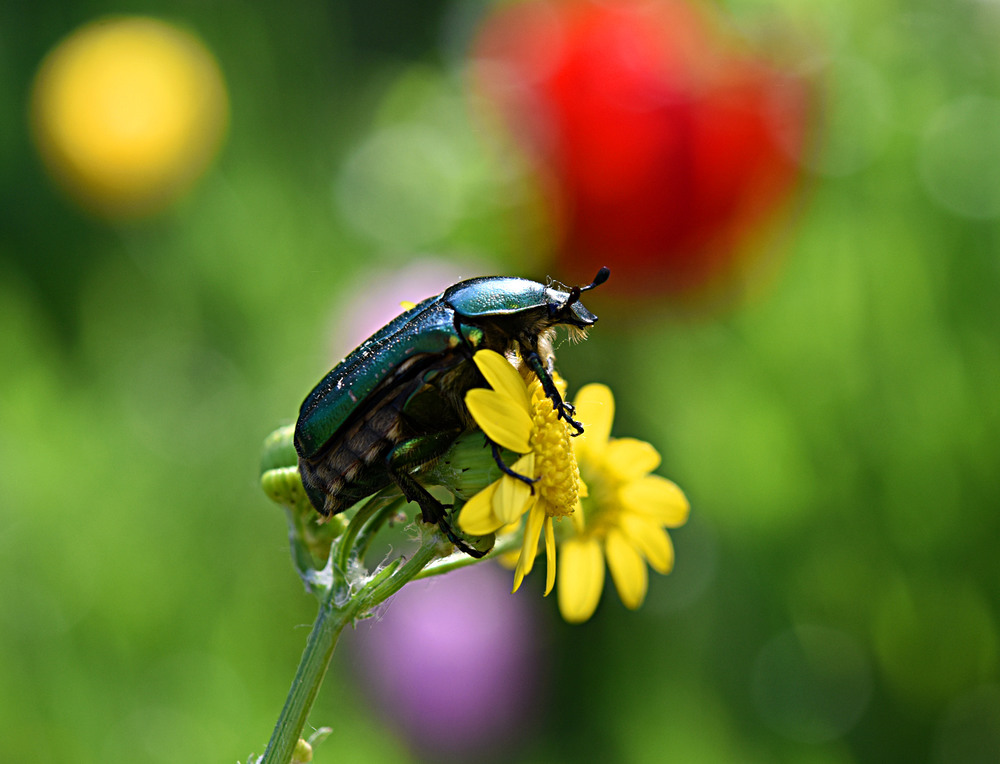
(477, 515)
(581, 578)
(503, 421)
(529, 548)
(509, 559)
(518, 576)
(595, 410)
(503, 377)
(579, 520)
(550, 556)
(656, 496)
(513, 527)
(630, 459)
(513, 497)
(646, 535)
(627, 569)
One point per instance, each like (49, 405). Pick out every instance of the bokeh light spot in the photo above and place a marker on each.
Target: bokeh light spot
(403, 187)
(697, 556)
(939, 617)
(127, 113)
(856, 118)
(960, 157)
(812, 683)
(970, 730)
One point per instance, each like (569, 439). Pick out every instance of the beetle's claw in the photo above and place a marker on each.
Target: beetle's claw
(449, 532)
(566, 411)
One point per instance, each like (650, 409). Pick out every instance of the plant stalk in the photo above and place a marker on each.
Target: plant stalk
(330, 622)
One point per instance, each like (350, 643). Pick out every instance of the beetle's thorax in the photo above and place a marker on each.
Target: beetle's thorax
(526, 332)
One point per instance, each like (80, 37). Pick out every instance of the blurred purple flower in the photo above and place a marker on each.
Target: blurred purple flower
(452, 664)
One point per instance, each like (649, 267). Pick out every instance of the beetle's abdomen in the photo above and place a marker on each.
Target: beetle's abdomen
(352, 465)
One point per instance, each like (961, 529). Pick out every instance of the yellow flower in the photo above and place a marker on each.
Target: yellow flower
(623, 518)
(519, 416)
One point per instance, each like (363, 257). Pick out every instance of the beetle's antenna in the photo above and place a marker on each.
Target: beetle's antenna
(600, 278)
(575, 292)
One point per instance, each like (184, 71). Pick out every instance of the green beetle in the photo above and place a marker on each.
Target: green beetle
(396, 402)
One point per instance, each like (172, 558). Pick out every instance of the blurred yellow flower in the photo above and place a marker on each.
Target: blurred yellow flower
(127, 113)
(519, 416)
(623, 518)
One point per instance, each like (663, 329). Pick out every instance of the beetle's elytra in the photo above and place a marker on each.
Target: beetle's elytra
(396, 402)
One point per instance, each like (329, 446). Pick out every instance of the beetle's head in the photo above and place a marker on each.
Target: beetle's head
(566, 308)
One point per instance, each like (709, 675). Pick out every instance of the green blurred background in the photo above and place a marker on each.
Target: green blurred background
(836, 591)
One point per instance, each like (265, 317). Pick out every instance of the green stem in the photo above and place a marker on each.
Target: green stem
(372, 527)
(458, 560)
(330, 622)
(430, 547)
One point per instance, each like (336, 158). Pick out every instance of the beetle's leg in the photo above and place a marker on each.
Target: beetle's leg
(508, 471)
(550, 368)
(469, 345)
(412, 453)
(563, 409)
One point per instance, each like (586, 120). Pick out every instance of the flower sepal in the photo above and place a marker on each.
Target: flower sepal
(467, 467)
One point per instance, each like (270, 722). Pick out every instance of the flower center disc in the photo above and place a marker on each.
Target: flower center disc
(559, 481)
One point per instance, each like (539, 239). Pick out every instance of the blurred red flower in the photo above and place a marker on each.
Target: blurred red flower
(661, 142)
